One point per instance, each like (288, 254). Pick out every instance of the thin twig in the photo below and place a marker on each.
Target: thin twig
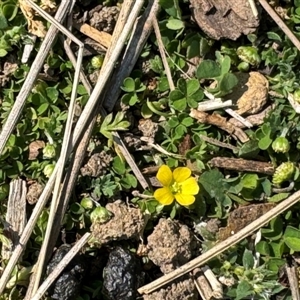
(238, 117)
(253, 8)
(213, 105)
(17, 108)
(164, 151)
(138, 39)
(15, 216)
(216, 286)
(217, 143)
(61, 266)
(293, 281)
(280, 23)
(123, 16)
(162, 53)
(222, 246)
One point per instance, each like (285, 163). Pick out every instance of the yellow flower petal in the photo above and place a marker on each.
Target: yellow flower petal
(190, 186)
(164, 175)
(181, 174)
(164, 196)
(185, 200)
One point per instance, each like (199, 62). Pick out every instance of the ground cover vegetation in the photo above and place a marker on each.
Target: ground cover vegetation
(210, 174)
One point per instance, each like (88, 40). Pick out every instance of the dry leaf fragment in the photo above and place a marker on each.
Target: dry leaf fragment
(221, 122)
(256, 95)
(34, 148)
(243, 216)
(35, 26)
(224, 19)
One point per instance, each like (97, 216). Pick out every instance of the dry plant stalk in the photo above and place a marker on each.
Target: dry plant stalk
(139, 36)
(216, 286)
(256, 119)
(15, 216)
(218, 143)
(293, 281)
(221, 122)
(242, 165)
(202, 284)
(102, 37)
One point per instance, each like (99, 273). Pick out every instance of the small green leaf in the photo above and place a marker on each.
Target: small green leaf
(293, 243)
(42, 108)
(118, 118)
(263, 248)
(225, 66)
(52, 93)
(119, 166)
(3, 23)
(176, 95)
(180, 105)
(187, 122)
(81, 90)
(193, 86)
(278, 197)
(77, 209)
(173, 122)
(208, 69)
(10, 11)
(153, 108)
(248, 259)
(243, 290)
(250, 181)
(146, 112)
(292, 238)
(163, 84)
(277, 249)
(3, 52)
(265, 142)
(212, 182)
(274, 36)
(175, 24)
(133, 99)
(274, 231)
(128, 85)
(227, 82)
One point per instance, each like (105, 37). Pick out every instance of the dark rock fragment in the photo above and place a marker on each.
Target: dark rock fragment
(122, 275)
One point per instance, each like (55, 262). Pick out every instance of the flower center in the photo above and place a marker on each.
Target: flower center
(176, 188)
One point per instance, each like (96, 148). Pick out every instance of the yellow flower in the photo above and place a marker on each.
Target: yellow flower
(179, 185)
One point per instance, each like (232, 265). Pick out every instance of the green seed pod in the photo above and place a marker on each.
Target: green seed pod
(49, 151)
(283, 173)
(243, 66)
(239, 271)
(281, 144)
(87, 203)
(100, 215)
(249, 55)
(297, 96)
(97, 61)
(226, 265)
(48, 170)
